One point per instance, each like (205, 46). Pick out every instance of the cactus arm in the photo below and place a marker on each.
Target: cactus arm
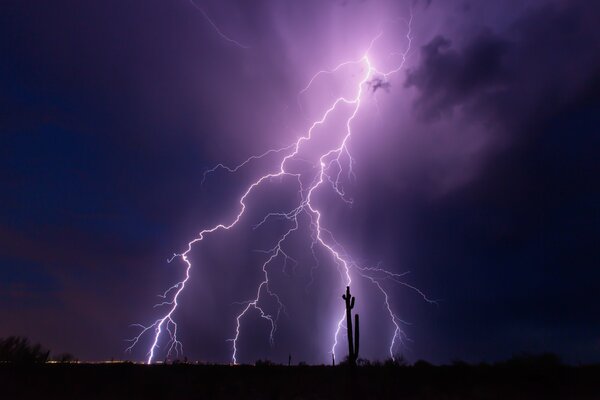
(356, 337)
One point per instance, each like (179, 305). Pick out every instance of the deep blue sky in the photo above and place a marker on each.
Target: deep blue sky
(481, 176)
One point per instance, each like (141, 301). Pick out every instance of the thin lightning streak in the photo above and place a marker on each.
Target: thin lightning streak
(334, 70)
(243, 164)
(329, 160)
(397, 331)
(216, 28)
(276, 251)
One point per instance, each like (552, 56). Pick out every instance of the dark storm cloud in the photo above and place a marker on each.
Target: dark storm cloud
(447, 78)
(540, 63)
(518, 247)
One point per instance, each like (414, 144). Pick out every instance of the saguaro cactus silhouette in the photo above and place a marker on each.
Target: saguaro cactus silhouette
(353, 335)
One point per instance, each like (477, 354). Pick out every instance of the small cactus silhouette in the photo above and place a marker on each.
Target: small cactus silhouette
(353, 335)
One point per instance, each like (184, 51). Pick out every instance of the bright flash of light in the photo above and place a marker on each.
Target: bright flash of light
(331, 164)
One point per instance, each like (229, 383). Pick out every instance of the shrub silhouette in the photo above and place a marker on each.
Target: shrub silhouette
(397, 361)
(422, 364)
(64, 358)
(534, 361)
(263, 363)
(17, 349)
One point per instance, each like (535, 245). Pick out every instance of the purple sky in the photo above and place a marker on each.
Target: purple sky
(476, 171)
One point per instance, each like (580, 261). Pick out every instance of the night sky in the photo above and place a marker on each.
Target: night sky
(476, 170)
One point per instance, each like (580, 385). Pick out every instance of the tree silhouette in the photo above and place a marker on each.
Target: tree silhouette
(18, 349)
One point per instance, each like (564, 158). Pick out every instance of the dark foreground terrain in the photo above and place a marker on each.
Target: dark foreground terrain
(120, 381)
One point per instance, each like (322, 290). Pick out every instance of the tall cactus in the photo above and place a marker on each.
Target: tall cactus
(353, 335)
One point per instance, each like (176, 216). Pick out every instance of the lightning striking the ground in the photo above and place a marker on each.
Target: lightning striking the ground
(330, 166)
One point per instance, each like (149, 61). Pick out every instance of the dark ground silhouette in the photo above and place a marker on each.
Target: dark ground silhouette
(18, 349)
(25, 373)
(520, 378)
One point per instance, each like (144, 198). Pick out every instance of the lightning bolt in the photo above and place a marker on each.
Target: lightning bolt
(329, 169)
(216, 28)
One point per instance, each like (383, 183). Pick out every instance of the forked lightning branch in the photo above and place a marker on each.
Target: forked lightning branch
(331, 164)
